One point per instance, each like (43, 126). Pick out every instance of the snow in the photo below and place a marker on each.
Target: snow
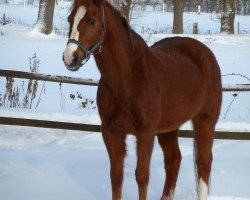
(55, 164)
(38, 163)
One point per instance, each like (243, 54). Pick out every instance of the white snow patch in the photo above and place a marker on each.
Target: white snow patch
(35, 33)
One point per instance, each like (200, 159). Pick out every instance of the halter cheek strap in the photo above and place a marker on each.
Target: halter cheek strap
(98, 44)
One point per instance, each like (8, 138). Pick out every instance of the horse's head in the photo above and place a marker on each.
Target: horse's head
(86, 32)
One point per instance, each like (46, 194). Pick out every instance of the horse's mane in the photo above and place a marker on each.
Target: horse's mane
(123, 21)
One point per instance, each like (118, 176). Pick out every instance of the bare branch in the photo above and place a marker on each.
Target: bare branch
(229, 107)
(237, 74)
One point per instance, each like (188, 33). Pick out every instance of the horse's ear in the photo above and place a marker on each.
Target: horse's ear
(98, 2)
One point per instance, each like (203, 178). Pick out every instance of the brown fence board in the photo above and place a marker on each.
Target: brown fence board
(96, 128)
(49, 124)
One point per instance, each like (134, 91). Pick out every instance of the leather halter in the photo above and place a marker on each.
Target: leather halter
(98, 44)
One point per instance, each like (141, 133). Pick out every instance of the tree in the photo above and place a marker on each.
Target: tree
(124, 6)
(218, 6)
(31, 2)
(191, 5)
(45, 16)
(178, 16)
(227, 17)
(246, 7)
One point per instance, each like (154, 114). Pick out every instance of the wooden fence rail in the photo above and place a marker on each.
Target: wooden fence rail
(96, 128)
(90, 82)
(47, 77)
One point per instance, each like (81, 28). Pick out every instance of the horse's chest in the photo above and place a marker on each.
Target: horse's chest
(128, 112)
(127, 116)
(114, 112)
(118, 116)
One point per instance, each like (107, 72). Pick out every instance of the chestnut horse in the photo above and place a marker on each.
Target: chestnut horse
(147, 92)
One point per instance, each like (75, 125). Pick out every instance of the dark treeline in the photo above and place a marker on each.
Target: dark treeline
(242, 6)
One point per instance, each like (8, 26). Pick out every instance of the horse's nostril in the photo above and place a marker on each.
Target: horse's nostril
(75, 60)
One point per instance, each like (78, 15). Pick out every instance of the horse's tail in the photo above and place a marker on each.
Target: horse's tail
(197, 177)
(195, 165)
(205, 121)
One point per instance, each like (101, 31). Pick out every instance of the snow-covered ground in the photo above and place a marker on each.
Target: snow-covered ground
(54, 164)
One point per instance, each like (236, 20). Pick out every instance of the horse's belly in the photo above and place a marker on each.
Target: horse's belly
(168, 124)
(180, 108)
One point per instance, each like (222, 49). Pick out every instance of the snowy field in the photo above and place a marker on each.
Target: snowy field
(54, 164)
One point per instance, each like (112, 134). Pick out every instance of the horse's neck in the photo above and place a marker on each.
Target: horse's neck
(118, 55)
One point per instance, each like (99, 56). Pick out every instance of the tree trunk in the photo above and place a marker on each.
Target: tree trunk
(178, 16)
(125, 8)
(244, 7)
(31, 2)
(239, 7)
(45, 16)
(248, 7)
(218, 6)
(227, 17)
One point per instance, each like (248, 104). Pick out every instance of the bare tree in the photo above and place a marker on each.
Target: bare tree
(125, 8)
(219, 4)
(178, 16)
(45, 16)
(31, 2)
(227, 17)
(246, 7)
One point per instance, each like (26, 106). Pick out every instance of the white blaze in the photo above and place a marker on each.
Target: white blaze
(71, 47)
(202, 190)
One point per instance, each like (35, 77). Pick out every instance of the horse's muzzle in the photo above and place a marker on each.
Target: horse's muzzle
(75, 63)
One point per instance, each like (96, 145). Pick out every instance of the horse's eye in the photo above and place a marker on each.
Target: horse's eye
(91, 22)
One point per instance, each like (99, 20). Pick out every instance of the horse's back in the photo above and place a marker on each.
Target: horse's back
(174, 43)
(189, 48)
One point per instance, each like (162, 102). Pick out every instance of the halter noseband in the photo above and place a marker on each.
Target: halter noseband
(98, 44)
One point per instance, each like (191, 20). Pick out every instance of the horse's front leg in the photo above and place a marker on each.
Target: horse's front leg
(145, 143)
(116, 146)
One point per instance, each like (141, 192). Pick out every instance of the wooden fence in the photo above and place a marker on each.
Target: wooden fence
(96, 128)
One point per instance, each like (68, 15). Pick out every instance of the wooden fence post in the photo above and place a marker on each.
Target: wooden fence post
(238, 26)
(195, 28)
